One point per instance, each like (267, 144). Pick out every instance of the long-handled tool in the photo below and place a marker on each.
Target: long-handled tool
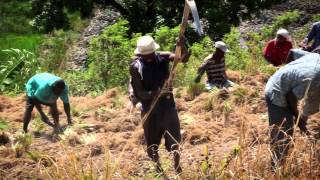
(190, 6)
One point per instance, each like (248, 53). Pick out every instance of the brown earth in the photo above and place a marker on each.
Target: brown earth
(106, 131)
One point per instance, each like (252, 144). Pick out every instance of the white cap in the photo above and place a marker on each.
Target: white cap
(284, 33)
(222, 46)
(146, 45)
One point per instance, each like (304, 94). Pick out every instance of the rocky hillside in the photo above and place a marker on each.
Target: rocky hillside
(101, 19)
(266, 17)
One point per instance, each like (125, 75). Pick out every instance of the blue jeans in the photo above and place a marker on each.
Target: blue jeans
(281, 122)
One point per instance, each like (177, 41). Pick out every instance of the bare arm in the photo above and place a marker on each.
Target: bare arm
(293, 103)
(66, 107)
(44, 118)
(185, 54)
(293, 106)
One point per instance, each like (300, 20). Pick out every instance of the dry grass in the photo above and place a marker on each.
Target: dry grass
(225, 136)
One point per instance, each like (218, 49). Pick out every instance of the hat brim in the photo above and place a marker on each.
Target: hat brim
(286, 36)
(225, 50)
(138, 51)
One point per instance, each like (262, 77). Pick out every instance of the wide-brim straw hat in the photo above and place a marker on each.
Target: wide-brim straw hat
(146, 45)
(222, 46)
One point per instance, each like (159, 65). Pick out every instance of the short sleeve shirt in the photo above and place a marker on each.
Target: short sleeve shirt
(40, 87)
(296, 77)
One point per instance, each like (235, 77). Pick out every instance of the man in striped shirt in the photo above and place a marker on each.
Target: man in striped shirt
(214, 66)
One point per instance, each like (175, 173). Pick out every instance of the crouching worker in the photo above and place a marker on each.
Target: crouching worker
(149, 71)
(276, 50)
(214, 66)
(45, 89)
(295, 81)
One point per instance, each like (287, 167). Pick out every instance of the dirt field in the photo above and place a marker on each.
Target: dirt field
(107, 135)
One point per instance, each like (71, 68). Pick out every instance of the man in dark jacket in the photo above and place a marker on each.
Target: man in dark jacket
(149, 71)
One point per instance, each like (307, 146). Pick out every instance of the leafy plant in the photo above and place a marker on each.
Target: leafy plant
(17, 70)
(282, 21)
(22, 144)
(238, 58)
(38, 125)
(3, 125)
(194, 89)
(240, 94)
(15, 17)
(109, 57)
(52, 52)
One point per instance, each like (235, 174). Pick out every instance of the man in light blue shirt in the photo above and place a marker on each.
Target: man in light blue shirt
(283, 91)
(45, 89)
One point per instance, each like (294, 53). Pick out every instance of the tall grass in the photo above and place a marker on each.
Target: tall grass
(29, 42)
(14, 72)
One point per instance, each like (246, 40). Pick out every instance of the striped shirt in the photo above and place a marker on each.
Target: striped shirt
(216, 70)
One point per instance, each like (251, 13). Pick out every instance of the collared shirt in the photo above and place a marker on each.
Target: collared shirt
(277, 54)
(216, 70)
(40, 87)
(314, 35)
(296, 77)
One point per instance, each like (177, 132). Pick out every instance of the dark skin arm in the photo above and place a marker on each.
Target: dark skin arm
(293, 106)
(201, 70)
(185, 54)
(293, 103)
(66, 107)
(44, 118)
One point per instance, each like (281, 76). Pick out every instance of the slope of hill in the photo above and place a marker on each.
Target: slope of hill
(224, 136)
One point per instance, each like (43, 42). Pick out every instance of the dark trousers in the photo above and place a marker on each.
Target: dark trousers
(281, 122)
(30, 104)
(163, 122)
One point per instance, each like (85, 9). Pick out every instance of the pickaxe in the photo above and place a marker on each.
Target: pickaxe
(190, 6)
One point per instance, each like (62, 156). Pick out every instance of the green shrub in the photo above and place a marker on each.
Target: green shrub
(17, 70)
(282, 21)
(53, 50)
(49, 15)
(187, 72)
(194, 89)
(110, 55)
(3, 125)
(29, 42)
(15, 17)
(238, 58)
(255, 44)
(166, 38)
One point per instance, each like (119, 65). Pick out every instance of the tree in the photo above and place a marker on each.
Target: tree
(146, 15)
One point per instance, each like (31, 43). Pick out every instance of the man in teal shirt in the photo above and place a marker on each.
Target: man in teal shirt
(45, 89)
